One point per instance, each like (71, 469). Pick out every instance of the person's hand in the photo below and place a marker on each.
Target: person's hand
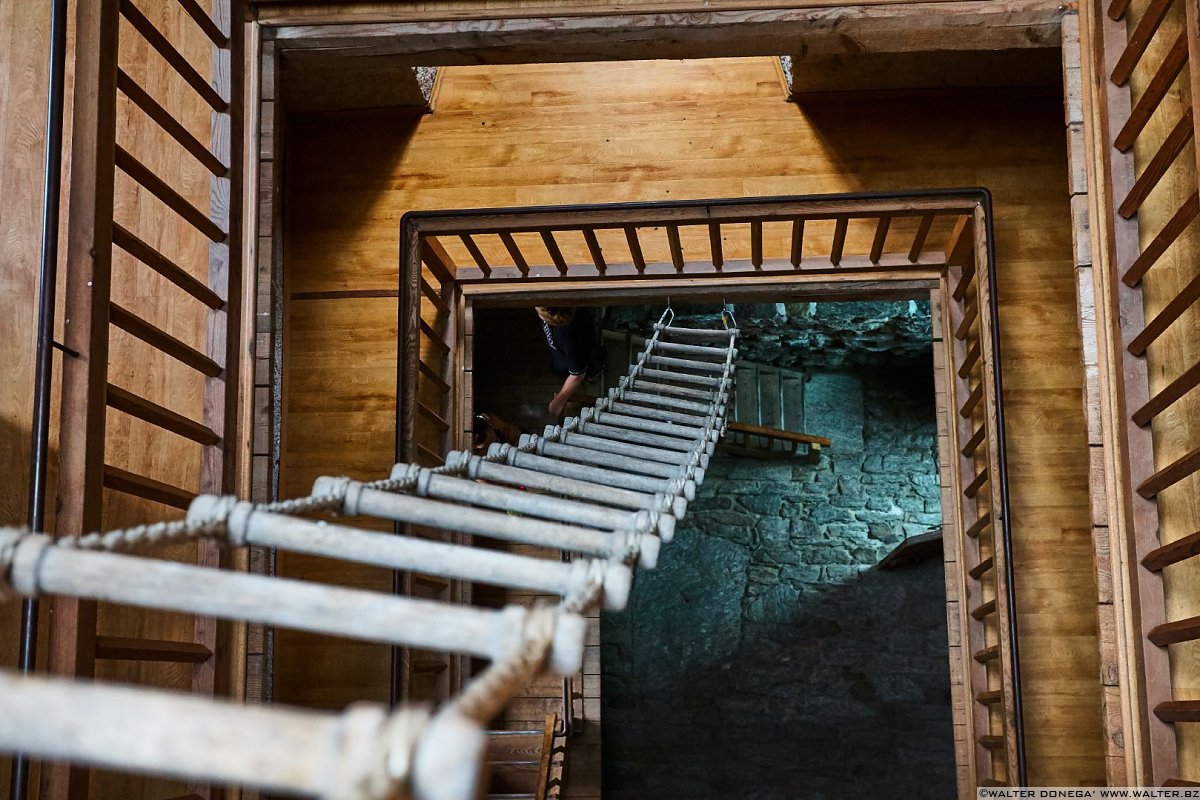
(557, 405)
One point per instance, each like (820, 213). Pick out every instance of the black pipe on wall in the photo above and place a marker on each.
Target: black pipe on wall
(47, 289)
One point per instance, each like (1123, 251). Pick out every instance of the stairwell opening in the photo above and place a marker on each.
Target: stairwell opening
(770, 655)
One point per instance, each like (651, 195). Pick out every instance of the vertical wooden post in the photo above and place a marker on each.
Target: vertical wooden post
(88, 285)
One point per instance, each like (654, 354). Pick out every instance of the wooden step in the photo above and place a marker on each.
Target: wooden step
(990, 697)
(1185, 630)
(978, 525)
(121, 480)
(991, 741)
(1172, 553)
(117, 648)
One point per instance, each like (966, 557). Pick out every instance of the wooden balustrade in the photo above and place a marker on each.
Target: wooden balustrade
(1147, 141)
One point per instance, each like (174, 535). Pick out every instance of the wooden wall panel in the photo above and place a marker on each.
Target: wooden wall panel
(695, 129)
(1176, 430)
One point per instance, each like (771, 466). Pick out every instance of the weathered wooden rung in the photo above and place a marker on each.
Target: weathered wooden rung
(703, 334)
(1168, 70)
(973, 443)
(980, 569)
(711, 395)
(433, 416)
(172, 56)
(972, 402)
(583, 454)
(434, 256)
(39, 567)
(272, 748)
(117, 648)
(1176, 389)
(702, 351)
(989, 697)
(621, 480)
(969, 361)
(165, 267)
(657, 441)
(1139, 38)
(991, 741)
(171, 126)
(434, 337)
(248, 525)
(477, 468)
(680, 459)
(647, 399)
(970, 312)
(1158, 165)
(431, 374)
(667, 427)
(972, 488)
(697, 421)
(1170, 475)
(151, 182)
(431, 294)
(492, 524)
(686, 363)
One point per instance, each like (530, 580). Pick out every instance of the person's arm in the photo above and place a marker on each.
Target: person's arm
(569, 387)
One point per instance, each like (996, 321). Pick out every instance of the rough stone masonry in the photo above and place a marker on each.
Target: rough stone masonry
(766, 657)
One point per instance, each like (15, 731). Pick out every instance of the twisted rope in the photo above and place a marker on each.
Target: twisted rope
(145, 536)
(487, 695)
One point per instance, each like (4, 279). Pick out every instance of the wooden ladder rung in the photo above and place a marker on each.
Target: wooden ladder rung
(164, 266)
(430, 454)
(162, 341)
(1170, 475)
(149, 180)
(434, 337)
(969, 360)
(433, 417)
(976, 484)
(120, 480)
(973, 399)
(978, 525)
(987, 654)
(433, 297)
(991, 741)
(436, 379)
(1173, 553)
(983, 610)
(969, 314)
(973, 443)
(149, 411)
(990, 697)
(980, 569)
(1185, 630)
(117, 648)
(1178, 711)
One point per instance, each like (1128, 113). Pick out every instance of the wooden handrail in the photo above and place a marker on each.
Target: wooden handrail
(781, 435)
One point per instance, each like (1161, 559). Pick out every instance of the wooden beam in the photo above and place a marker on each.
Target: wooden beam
(121, 480)
(1173, 553)
(163, 341)
(116, 648)
(434, 256)
(1169, 394)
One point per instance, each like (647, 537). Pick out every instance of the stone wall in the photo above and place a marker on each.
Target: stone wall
(765, 657)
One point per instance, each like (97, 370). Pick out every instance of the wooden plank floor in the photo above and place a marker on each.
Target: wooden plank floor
(548, 134)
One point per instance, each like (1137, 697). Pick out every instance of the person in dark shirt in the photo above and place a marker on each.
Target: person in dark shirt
(574, 357)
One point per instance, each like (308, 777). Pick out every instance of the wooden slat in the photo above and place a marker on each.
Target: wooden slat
(972, 402)
(675, 247)
(881, 232)
(756, 250)
(434, 297)
(839, 240)
(1167, 152)
(172, 199)
(205, 23)
(117, 648)
(476, 254)
(434, 337)
(1185, 630)
(1172, 553)
(1165, 238)
(1171, 312)
(432, 374)
(714, 245)
(1168, 70)
(434, 256)
(969, 313)
(973, 443)
(165, 418)
(797, 248)
(918, 245)
(991, 741)
(987, 654)
(430, 455)
(989, 697)
(433, 417)
(177, 60)
(556, 255)
(1139, 40)
(982, 610)
(635, 248)
(593, 245)
(173, 128)
(514, 252)
(964, 369)
(120, 480)
(162, 341)
(1172, 392)
(164, 266)
(1170, 475)
(978, 525)
(981, 569)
